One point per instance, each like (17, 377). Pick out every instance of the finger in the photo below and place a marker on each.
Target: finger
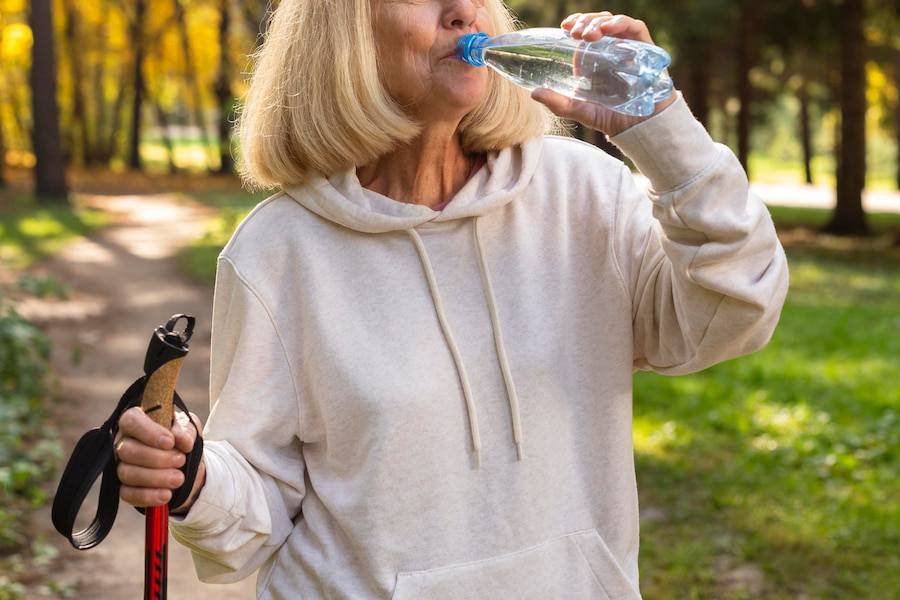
(584, 20)
(625, 27)
(579, 24)
(131, 451)
(135, 423)
(184, 432)
(139, 496)
(569, 21)
(563, 106)
(135, 476)
(593, 30)
(560, 105)
(117, 442)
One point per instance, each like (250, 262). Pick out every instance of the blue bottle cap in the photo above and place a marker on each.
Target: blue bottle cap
(470, 48)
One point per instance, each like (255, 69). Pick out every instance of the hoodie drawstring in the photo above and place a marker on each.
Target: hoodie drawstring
(498, 343)
(454, 350)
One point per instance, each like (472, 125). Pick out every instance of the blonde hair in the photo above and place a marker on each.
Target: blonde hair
(316, 104)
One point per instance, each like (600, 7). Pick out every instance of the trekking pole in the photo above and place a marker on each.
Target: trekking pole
(164, 358)
(93, 458)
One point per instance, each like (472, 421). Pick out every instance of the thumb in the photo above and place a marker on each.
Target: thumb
(560, 105)
(585, 113)
(184, 432)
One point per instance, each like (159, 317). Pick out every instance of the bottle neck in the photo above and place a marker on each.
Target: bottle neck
(470, 48)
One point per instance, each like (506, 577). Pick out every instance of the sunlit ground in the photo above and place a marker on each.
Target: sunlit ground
(28, 234)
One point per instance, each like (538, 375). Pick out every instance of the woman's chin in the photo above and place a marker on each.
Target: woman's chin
(461, 97)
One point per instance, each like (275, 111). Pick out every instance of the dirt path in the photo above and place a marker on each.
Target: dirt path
(123, 283)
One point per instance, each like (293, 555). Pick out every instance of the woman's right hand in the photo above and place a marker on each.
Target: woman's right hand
(149, 456)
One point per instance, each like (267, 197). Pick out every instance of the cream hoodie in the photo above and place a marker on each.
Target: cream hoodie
(413, 404)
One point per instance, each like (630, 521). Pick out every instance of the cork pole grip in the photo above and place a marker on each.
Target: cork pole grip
(159, 391)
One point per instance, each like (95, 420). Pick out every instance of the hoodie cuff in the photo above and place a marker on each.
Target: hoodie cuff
(670, 148)
(211, 511)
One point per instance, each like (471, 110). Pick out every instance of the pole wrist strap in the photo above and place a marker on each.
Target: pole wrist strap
(92, 458)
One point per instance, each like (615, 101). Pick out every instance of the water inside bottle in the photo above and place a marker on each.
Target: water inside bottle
(580, 71)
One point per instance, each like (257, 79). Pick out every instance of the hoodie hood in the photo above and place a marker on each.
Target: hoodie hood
(342, 199)
(499, 181)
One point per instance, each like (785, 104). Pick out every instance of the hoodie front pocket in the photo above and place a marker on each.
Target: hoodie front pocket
(575, 566)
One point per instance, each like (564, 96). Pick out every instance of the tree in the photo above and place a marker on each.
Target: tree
(2, 139)
(749, 15)
(50, 169)
(893, 31)
(224, 95)
(897, 112)
(848, 217)
(2, 153)
(78, 134)
(137, 103)
(192, 75)
(805, 129)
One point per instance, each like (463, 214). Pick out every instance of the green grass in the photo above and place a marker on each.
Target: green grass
(785, 460)
(29, 233)
(791, 216)
(199, 258)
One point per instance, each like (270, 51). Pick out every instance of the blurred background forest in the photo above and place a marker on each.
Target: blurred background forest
(802, 90)
(772, 476)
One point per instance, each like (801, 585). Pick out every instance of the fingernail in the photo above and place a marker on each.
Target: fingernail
(163, 441)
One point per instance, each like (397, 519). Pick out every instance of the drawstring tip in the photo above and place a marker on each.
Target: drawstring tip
(519, 451)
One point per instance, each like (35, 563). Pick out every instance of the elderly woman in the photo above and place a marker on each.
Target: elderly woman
(423, 345)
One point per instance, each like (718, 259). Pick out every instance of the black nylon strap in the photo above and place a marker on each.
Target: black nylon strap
(92, 458)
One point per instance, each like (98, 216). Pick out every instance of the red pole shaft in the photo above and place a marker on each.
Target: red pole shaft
(156, 552)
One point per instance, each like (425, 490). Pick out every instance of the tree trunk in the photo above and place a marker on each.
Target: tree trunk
(137, 36)
(118, 115)
(2, 151)
(805, 130)
(224, 95)
(96, 134)
(193, 79)
(745, 59)
(100, 112)
(897, 114)
(698, 76)
(81, 143)
(162, 120)
(848, 217)
(726, 133)
(50, 169)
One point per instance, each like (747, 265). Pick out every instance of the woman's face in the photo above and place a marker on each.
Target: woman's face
(416, 41)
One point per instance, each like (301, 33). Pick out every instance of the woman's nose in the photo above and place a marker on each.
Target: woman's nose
(461, 14)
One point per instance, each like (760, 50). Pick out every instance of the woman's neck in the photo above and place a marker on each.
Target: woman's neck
(429, 170)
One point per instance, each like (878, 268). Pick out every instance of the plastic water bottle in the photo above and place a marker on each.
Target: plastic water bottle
(625, 75)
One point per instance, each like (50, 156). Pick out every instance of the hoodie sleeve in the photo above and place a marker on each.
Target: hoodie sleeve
(252, 449)
(701, 259)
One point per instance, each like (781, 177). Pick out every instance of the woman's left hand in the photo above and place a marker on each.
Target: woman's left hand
(590, 27)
